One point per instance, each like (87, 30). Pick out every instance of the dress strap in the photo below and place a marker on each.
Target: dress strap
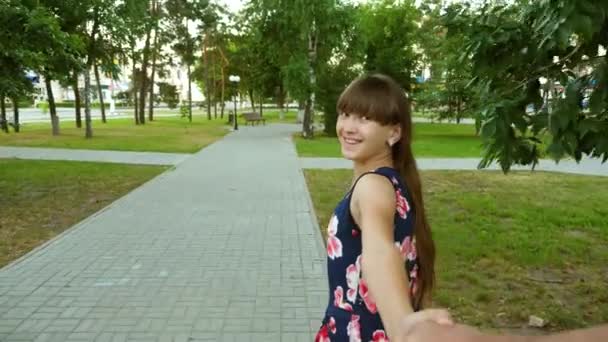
(382, 171)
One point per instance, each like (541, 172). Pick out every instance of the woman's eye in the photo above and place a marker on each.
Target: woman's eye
(364, 118)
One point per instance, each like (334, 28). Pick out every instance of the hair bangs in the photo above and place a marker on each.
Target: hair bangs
(372, 97)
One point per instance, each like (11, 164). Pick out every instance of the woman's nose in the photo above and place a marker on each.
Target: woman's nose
(350, 124)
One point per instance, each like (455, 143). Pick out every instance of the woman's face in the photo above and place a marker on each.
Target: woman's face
(362, 139)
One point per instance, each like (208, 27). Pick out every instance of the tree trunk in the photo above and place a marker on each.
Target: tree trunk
(213, 81)
(16, 114)
(251, 99)
(52, 108)
(189, 94)
(144, 79)
(136, 104)
(261, 106)
(207, 80)
(281, 101)
(3, 123)
(307, 122)
(223, 101)
(307, 130)
(77, 101)
(87, 102)
(458, 108)
(100, 93)
(133, 82)
(87, 77)
(152, 76)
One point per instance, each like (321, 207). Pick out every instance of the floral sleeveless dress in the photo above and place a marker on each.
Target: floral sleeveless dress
(351, 313)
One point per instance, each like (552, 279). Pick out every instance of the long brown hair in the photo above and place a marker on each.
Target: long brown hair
(381, 99)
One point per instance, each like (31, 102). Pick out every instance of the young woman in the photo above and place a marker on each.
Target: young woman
(380, 250)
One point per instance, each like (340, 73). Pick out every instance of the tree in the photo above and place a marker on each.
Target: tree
(13, 61)
(210, 21)
(307, 37)
(446, 91)
(159, 41)
(50, 51)
(336, 74)
(389, 28)
(512, 49)
(133, 14)
(181, 14)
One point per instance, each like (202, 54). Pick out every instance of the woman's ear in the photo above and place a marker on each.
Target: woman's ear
(395, 135)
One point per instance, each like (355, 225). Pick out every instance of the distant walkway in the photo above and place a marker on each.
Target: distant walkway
(125, 157)
(591, 167)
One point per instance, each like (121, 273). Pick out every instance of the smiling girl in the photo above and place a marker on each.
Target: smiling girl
(380, 251)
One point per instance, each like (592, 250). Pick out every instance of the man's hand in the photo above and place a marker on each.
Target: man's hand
(419, 324)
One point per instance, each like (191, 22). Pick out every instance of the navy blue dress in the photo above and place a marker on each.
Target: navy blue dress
(351, 313)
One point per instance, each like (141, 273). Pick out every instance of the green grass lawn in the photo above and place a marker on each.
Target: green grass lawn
(40, 199)
(272, 116)
(165, 134)
(509, 246)
(430, 140)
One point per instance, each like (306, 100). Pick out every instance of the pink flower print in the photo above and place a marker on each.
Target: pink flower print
(322, 335)
(354, 329)
(414, 272)
(334, 245)
(413, 287)
(414, 280)
(332, 325)
(355, 233)
(339, 299)
(352, 280)
(395, 181)
(379, 336)
(407, 248)
(403, 207)
(367, 297)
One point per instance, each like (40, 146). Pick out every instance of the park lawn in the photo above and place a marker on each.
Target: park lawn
(272, 116)
(430, 140)
(509, 246)
(164, 134)
(40, 199)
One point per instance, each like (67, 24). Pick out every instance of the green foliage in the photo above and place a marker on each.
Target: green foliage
(337, 73)
(31, 39)
(44, 106)
(168, 94)
(447, 93)
(511, 48)
(183, 111)
(389, 28)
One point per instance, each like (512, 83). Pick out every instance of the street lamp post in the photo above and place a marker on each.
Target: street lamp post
(235, 79)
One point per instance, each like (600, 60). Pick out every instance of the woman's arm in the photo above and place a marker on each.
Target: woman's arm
(373, 207)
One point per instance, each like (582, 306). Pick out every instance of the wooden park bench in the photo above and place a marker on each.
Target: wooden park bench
(253, 118)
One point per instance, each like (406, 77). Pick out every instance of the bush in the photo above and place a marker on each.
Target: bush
(44, 106)
(183, 110)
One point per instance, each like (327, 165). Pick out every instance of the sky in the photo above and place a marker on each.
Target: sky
(233, 5)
